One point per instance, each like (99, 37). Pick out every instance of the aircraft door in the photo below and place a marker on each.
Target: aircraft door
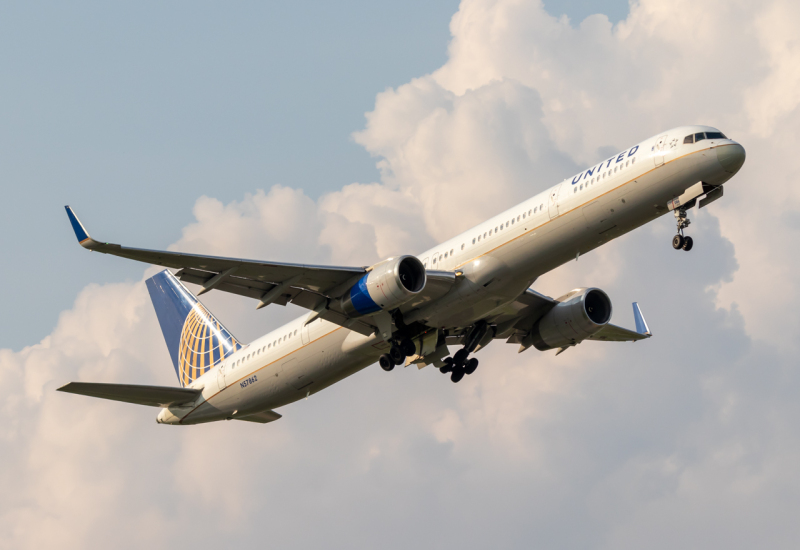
(659, 150)
(552, 208)
(304, 336)
(221, 375)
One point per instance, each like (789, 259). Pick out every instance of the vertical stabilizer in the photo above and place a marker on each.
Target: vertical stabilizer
(196, 340)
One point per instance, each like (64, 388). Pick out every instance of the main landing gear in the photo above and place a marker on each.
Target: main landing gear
(397, 354)
(680, 241)
(460, 364)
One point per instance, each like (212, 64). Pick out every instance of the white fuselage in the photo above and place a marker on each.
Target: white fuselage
(499, 258)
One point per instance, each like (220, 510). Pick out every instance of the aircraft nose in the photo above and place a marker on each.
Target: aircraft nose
(731, 157)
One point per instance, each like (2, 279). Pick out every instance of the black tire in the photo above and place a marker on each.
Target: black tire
(397, 355)
(677, 242)
(386, 362)
(471, 365)
(458, 374)
(688, 243)
(448, 365)
(408, 347)
(460, 357)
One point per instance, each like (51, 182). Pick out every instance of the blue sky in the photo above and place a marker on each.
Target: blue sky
(130, 111)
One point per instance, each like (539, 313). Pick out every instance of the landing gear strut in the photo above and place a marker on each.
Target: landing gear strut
(460, 364)
(680, 241)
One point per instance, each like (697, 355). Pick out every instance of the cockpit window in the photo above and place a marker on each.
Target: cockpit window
(699, 137)
(715, 135)
(689, 139)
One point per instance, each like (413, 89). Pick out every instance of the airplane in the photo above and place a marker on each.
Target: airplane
(408, 310)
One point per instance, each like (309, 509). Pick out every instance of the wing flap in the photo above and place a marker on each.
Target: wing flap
(152, 396)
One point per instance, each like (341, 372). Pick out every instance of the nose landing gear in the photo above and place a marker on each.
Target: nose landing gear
(680, 241)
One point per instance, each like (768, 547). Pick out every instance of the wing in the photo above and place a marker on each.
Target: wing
(613, 333)
(532, 306)
(153, 396)
(311, 287)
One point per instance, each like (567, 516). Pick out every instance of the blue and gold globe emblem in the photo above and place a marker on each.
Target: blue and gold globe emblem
(204, 343)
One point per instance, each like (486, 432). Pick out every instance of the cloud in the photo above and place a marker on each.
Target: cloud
(686, 439)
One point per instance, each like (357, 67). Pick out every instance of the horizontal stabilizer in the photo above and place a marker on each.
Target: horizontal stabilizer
(153, 396)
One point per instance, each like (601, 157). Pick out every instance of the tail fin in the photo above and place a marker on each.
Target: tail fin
(195, 339)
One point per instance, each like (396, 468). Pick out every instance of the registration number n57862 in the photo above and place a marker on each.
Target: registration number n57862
(247, 381)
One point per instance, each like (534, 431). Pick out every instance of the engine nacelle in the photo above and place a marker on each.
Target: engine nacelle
(578, 315)
(388, 285)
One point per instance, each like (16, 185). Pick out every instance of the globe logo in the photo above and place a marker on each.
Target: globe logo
(204, 343)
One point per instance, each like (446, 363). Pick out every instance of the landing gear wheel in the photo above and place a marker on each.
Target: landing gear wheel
(460, 357)
(458, 374)
(397, 355)
(448, 365)
(471, 365)
(687, 243)
(408, 347)
(386, 362)
(677, 242)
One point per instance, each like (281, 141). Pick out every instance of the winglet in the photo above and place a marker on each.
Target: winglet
(80, 232)
(641, 324)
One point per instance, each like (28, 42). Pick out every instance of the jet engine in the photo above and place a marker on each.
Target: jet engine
(578, 315)
(388, 285)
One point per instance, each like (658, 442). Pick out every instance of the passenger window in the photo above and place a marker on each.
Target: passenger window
(295, 332)
(535, 209)
(530, 212)
(490, 232)
(633, 160)
(689, 139)
(541, 206)
(512, 221)
(506, 224)
(699, 137)
(445, 255)
(473, 241)
(581, 187)
(462, 247)
(434, 261)
(451, 251)
(517, 218)
(484, 235)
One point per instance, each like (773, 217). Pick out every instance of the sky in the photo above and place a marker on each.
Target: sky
(350, 133)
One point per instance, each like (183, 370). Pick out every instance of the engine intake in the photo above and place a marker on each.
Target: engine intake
(578, 315)
(388, 285)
